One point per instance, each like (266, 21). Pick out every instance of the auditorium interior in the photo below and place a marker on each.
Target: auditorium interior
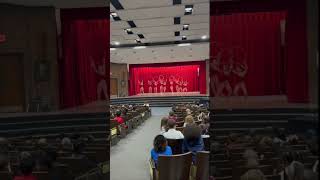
(159, 89)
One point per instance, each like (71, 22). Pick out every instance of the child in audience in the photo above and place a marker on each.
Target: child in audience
(160, 147)
(172, 133)
(188, 120)
(193, 141)
(26, 166)
(118, 117)
(172, 116)
(163, 126)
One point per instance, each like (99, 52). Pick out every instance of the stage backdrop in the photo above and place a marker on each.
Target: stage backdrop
(84, 68)
(156, 78)
(246, 49)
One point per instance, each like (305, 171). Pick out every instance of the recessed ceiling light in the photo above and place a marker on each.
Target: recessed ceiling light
(185, 27)
(188, 9)
(184, 37)
(139, 47)
(184, 44)
(113, 14)
(204, 37)
(116, 43)
(129, 31)
(112, 49)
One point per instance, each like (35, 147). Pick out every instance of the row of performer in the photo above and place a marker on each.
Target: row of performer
(175, 85)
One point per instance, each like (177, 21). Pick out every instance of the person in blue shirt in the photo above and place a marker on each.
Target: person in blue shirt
(160, 147)
(192, 141)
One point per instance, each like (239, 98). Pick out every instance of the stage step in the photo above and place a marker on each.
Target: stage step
(163, 101)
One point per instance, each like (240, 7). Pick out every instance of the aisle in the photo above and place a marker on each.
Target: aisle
(129, 158)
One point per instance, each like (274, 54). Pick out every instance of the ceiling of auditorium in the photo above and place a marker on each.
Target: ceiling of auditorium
(60, 3)
(154, 19)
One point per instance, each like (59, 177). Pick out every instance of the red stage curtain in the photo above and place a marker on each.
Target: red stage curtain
(85, 41)
(254, 39)
(188, 71)
(295, 65)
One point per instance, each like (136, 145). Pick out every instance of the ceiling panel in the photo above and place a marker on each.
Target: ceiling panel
(60, 3)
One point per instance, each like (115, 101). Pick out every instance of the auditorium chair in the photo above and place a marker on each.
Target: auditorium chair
(179, 123)
(5, 175)
(180, 129)
(206, 141)
(176, 145)
(202, 165)
(175, 167)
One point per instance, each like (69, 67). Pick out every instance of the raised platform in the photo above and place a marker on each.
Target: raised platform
(161, 99)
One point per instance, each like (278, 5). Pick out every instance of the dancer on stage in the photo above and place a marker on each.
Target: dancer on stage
(240, 71)
(150, 86)
(225, 76)
(165, 85)
(141, 86)
(178, 88)
(216, 85)
(161, 81)
(171, 81)
(155, 83)
(101, 72)
(185, 86)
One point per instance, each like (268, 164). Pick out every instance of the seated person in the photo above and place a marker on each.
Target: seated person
(293, 169)
(172, 116)
(188, 120)
(26, 166)
(205, 124)
(253, 173)
(163, 126)
(118, 117)
(193, 141)
(160, 147)
(172, 133)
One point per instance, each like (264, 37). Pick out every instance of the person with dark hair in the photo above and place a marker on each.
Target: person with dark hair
(118, 117)
(26, 166)
(163, 125)
(160, 147)
(193, 141)
(172, 116)
(172, 133)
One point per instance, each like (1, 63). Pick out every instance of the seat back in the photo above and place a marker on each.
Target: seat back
(202, 164)
(176, 145)
(5, 175)
(175, 167)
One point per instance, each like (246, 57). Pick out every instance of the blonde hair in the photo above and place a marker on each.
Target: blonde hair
(189, 119)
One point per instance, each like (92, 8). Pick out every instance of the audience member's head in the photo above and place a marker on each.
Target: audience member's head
(164, 122)
(252, 163)
(188, 111)
(189, 119)
(159, 143)
(118, 113)
(171, 124)
(250, 154)
(171, 113)
(26, 163)
(66, 143)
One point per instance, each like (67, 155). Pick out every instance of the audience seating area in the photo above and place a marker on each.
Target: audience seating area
(51, 139)
(180, 165)
(235, 132)
(133, 115)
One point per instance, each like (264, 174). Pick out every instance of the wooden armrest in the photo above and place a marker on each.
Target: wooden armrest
(153, 170)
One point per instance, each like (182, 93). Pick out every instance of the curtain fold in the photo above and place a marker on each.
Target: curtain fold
(294, 64)
(84, 68)
(186, 76)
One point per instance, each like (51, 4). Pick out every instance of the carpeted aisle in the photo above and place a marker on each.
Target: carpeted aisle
(129, 159)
